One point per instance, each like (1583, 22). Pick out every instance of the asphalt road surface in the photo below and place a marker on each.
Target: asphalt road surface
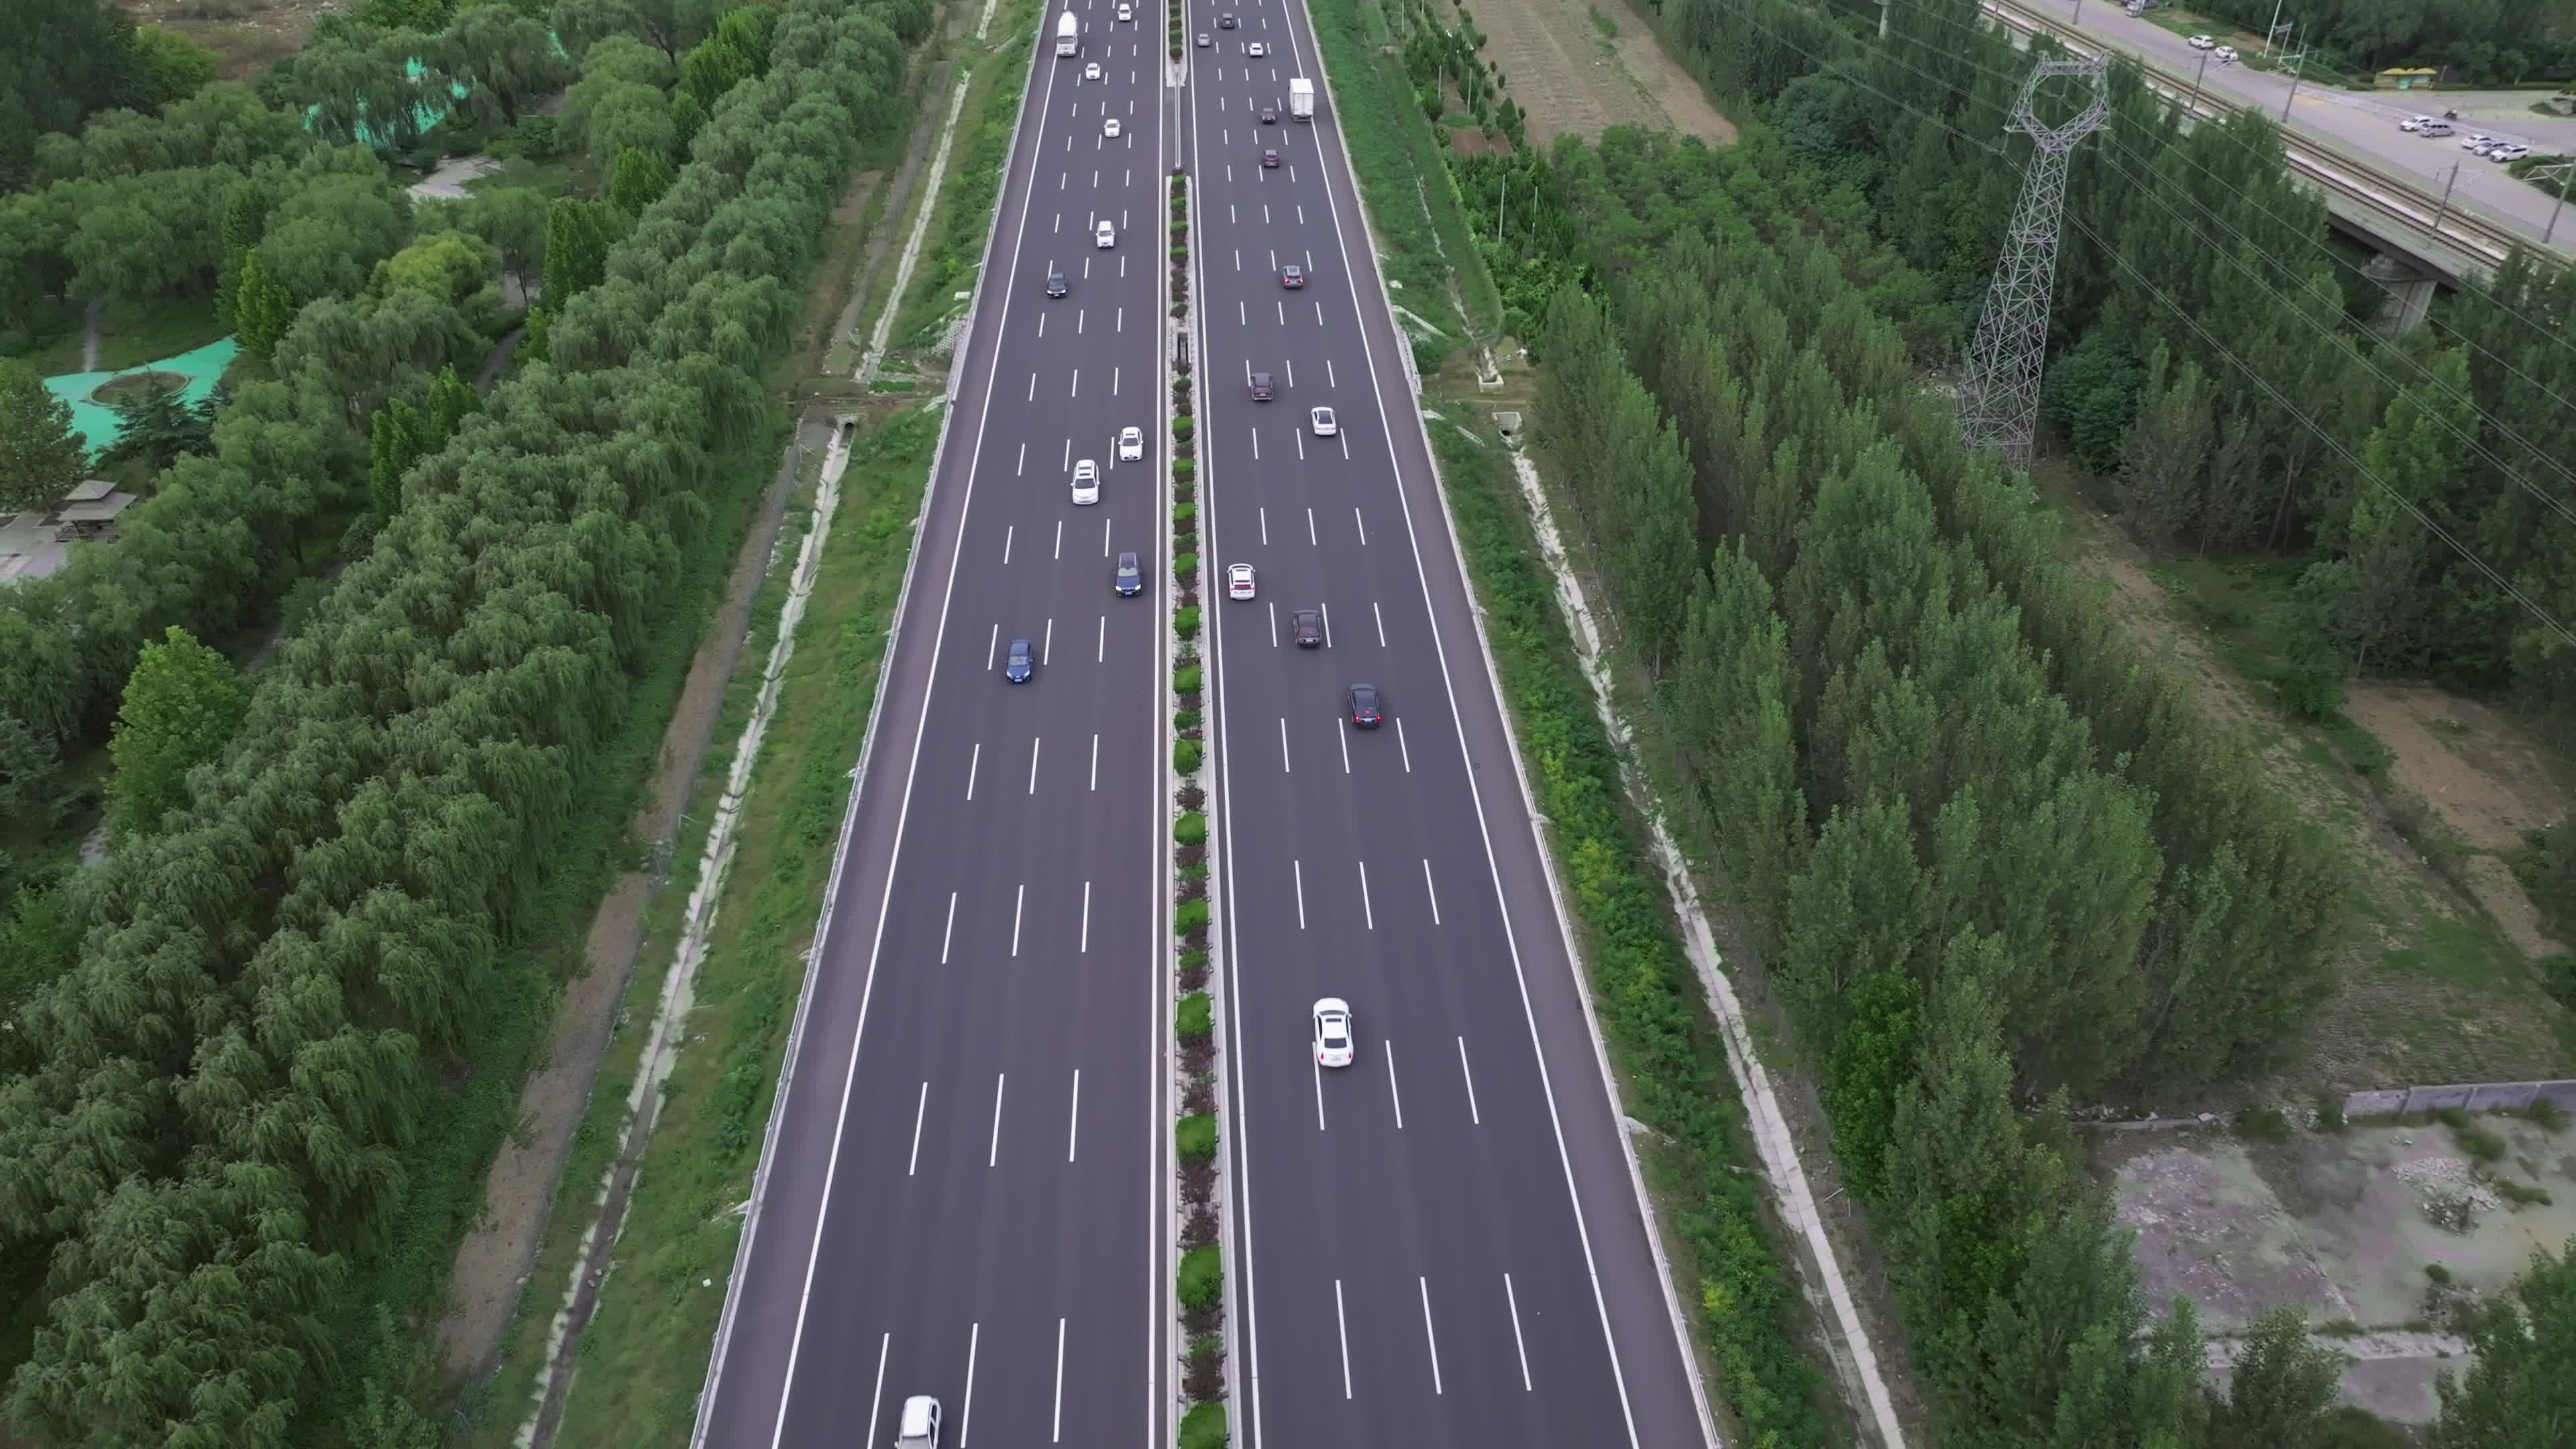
(965, 1194)
(1441, 1241)
(2361, 125)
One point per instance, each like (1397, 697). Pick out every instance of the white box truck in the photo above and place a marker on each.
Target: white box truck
(1068, 35)
(1301, 98)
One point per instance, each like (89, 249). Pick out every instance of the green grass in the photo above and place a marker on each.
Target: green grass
(644, 1353)
(130, 334)
(554, 176)
(1396, 156)
(1748, 1315)
(954, 246)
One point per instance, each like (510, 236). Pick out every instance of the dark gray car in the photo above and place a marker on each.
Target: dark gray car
(1131, 575)
(1019, 664)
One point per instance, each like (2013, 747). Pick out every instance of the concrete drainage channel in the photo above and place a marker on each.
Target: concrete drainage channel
(1771, 1134)
(594, 1258)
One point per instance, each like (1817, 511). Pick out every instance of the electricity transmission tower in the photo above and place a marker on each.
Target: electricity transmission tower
(2000, 397)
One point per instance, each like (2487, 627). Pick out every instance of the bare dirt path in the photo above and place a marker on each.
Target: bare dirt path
(1575, 74)
(492, 1263)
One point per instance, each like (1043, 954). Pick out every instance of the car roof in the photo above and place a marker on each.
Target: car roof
(1127, 559)
(916, 1414)
(1292, 267)
(1019, 646)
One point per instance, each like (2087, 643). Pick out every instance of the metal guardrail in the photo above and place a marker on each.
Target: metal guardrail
(2419, 216)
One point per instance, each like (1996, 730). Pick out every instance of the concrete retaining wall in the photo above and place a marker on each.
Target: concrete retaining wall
(2468, 1097)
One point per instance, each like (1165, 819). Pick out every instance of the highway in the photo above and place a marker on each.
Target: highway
(2351, 126)
(964, 1191)
(1439, 1245)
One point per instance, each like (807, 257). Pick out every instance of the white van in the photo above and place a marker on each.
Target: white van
(2434, 127)
(919, 1427)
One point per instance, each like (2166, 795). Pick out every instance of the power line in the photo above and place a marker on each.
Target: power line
(2474, 443)
(2333, 443)
(2554, 335)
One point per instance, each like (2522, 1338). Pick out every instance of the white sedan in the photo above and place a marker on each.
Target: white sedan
(1322, 418)
(1109, 128)
(1091, 71)
(1131, 445)
(1254, 50)
(2203, 42)
(1086, 483)
(1333, 1033)
(1238, 581)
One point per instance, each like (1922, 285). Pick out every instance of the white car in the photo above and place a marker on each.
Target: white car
(1091, 71)
(1104, 235)
(1126, 14)
(1238, 581)
(2414, 123)
(1109, 128)
(919, 1426)
(2476, 141)
(1086, 482)
(2225, 54)
(2203, 42)
(1131, 445)
(1254, 50)
(2514, 152)
(1333, 1033)
(1322, 418)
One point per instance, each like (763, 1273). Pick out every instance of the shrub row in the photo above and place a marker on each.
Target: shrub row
(1201, 1285)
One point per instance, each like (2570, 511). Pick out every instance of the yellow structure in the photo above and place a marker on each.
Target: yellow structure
(2408, 78)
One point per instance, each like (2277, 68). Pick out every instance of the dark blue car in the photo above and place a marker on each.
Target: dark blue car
(1019, 664)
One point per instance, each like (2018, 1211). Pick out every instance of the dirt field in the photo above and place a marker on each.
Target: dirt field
(2335, 1224)
(2437, 978)
(245, 35)
(1574, 74)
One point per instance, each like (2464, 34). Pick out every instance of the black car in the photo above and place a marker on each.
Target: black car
(1292, 277)
(1260, 387)
(1055, 284)
(1021, 664)
(1360, 701)
(1270, 160)
(1131, 576)
(1225, 22)
(1306, 626)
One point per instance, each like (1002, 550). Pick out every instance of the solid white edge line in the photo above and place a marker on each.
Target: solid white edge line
(823, 1208)
(1682, 1344)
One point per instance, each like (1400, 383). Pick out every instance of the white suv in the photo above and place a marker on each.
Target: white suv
(1131, 445)
(1104, 235)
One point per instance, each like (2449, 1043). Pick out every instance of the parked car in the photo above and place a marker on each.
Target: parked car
(2203, 42)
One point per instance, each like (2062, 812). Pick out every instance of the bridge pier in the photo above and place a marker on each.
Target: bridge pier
(2410, 292)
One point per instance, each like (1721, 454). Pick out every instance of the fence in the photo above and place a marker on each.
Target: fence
(2471, 1097)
